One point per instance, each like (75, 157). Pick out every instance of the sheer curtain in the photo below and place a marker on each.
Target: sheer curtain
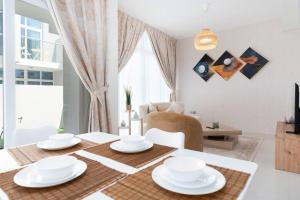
(142, 73)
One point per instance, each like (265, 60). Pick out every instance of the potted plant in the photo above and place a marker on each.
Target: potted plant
(128, 95)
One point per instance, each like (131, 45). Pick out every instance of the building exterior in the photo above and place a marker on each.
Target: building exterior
(39, 53)
(39, 74)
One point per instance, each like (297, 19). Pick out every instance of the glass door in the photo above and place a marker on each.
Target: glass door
(38, 72)
(33, 67)
(32, 72)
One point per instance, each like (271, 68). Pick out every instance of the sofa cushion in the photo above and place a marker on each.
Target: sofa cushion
(152, 108)
(175, 107)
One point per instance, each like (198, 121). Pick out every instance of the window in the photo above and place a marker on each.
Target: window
(39, 78)
(47, 83)
(34, 75)
(33, 83)
(31, 77)
(19, 73)
(35, 101)
(20, 82)
(143, 74)
(47, 75)
(33, 23)
(31, 31)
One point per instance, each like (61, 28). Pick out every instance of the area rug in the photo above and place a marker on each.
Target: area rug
(245, 149)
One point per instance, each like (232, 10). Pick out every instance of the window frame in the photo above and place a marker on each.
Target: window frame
(26, 27)
(26, 80)
(40, 80)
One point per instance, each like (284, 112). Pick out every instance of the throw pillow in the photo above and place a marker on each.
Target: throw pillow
(175, 107)
(152, 108)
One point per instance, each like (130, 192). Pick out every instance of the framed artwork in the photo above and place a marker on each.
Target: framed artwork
(203, 69)
(254, 62)
(227, 65)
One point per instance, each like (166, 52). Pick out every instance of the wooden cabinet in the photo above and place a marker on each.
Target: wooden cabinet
(287, 149)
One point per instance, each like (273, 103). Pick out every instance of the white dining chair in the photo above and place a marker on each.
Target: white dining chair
(171, 139)
(25, 136)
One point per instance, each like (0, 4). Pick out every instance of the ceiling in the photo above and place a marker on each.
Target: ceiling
(184, 18)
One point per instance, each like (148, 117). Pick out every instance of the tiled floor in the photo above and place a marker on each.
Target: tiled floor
(269, 183)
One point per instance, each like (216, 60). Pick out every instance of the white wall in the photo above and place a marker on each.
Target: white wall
(37, 105)
(253, 105)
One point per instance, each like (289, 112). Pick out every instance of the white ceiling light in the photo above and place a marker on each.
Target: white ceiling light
(205, 39)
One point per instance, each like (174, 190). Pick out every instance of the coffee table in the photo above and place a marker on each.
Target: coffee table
(224, 137)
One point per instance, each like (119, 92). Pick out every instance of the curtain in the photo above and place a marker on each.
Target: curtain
(130, 31)
(82, 28)
(164, 47)
(142, 72)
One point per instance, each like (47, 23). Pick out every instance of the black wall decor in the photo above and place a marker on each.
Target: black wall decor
(254, 62)
(249, 63)
(203, 69)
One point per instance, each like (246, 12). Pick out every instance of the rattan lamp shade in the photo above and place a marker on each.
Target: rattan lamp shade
(205, 40)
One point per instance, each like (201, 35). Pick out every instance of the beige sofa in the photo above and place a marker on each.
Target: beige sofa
(162, 106)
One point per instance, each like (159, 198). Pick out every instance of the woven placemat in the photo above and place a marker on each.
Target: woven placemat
(140, 186)
(31, 153)
(132, 159)
(96, 177)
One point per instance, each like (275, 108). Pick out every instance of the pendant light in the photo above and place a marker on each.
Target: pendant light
(205, 39)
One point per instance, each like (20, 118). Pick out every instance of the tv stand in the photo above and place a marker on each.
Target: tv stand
(296, 129)
(293, 132)
(287, 148)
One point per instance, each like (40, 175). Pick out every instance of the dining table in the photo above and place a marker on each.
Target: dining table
(7, 162)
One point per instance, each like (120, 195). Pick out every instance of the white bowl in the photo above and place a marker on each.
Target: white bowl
(133, 140)
(55, 167)
(61, 138)
(184, 169)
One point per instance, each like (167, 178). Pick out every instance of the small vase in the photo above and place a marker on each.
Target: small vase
(123, 124)
(215, 125)
(128, 107)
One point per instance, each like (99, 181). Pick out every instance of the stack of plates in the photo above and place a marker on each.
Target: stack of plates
(59, 141)
(50, 171)
(131, 144)
(188, 175)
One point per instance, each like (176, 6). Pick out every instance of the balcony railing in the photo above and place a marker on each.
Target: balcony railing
(38, 50)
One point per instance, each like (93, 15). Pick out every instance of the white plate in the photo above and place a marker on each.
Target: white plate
(122, 147)
(206, 179)
(158, 173)
(28, 178)
(51, 145)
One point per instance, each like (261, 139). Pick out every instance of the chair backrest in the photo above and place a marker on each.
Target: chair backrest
(24, 136)
(171, 139)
